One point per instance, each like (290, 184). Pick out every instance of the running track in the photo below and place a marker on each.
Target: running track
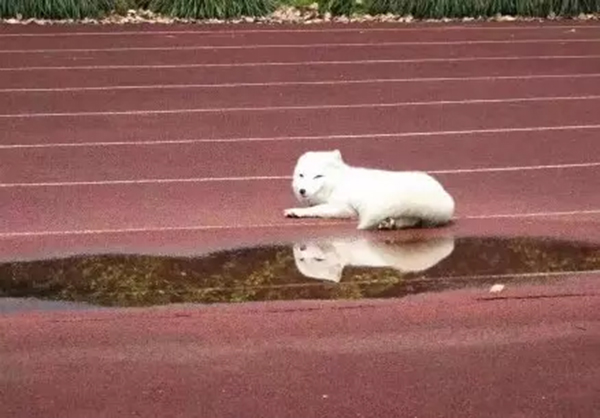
(147, 138)
(183, 140)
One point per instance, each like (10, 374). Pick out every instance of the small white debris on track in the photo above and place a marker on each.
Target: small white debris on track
(497, 288)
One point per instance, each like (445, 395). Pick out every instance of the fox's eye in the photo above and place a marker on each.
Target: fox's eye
(318, 176)
(301, 175)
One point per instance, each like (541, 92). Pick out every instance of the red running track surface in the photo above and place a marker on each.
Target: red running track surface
(531, 353)
(182, 139)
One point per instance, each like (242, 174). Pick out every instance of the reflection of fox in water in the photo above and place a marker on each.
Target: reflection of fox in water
(333, 189)
(326, 259)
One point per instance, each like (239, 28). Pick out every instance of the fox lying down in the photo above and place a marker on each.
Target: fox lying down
(330, 188)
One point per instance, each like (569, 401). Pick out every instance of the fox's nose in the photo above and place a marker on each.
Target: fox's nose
(302, 192)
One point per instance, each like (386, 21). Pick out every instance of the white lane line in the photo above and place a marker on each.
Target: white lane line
(275, 178)
(533, 214)
(517, 168)
(300, 30)
(299, 63)
(474, 277)
(295, 108)
(298, 46)
(297, 83)
(373, 136)
(291, 224)
(143, 181)
(513, 275)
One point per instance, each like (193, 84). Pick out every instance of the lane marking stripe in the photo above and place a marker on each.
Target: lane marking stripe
(276, 178)
(303, 107)
(291, 224)
(373, 136)
(294, 83)
(299, 46)
(299, 63)
(475, 277)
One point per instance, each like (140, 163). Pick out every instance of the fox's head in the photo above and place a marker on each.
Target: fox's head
(318, 260)
(315, 175)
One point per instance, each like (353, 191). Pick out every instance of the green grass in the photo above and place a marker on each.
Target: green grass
(55, 9)
(122, 6)
(436, 9)
(227, 9)
(217, 9)
(482, 8)
(301, 4)
(338, 7)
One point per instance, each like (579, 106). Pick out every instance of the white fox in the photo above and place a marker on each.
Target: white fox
(326, 259)
(379, 198)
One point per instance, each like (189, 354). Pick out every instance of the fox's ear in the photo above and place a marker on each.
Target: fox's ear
(337, 154)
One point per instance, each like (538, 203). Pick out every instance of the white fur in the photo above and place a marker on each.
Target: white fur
(325, 260)
(335, 189)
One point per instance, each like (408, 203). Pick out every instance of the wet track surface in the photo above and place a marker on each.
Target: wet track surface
(335, 268)
(386, 327)
(386, 324)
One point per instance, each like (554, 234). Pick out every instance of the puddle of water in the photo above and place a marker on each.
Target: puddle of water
(335, 268)
(26, 304)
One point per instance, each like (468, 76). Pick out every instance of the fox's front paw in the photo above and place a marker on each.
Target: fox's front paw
(291, 213)
(387, 224)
